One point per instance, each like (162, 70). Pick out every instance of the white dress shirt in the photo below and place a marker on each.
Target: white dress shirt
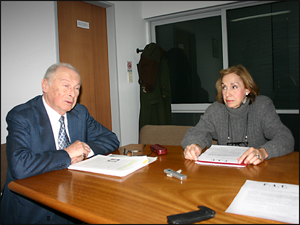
(55, 124)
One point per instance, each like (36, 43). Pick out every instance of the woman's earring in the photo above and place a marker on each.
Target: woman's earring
(245, 99)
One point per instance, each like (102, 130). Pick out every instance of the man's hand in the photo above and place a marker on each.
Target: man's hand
(78, 151)
(192, 151)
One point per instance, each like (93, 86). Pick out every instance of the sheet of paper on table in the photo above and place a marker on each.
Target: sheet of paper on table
(114, 165)
(150, 159)
(273, 201)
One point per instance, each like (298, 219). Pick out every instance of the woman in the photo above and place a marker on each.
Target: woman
(240, 117)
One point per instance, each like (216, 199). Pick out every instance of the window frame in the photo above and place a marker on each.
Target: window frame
(219, 10)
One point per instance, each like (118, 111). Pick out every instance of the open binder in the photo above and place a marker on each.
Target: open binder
(114, 165)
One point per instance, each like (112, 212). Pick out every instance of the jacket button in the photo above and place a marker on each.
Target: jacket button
(48, 217)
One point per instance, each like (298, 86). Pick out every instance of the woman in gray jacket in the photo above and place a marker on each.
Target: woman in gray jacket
(240, 117)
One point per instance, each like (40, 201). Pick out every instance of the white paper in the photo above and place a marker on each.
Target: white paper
(150, 159)
(273, 201)
(222, 155)
(112, 165)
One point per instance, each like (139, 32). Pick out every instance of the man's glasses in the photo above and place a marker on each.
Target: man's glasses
(241, 144)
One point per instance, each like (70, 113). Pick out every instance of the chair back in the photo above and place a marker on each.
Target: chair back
(162, 134)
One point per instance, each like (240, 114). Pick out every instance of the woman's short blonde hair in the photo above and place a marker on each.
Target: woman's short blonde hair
(248, 81)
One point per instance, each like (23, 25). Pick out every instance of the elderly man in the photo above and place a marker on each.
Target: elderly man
(49, 132)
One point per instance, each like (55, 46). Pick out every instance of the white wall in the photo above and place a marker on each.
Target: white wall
(29, 47)
(130, 34)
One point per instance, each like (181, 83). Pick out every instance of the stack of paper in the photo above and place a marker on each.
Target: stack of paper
(222, 155)
(113, 164)
(268, 200)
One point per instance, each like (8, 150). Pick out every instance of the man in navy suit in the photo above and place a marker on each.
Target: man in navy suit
(32, 143)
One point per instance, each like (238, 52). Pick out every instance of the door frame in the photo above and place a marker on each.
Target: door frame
(112, 60)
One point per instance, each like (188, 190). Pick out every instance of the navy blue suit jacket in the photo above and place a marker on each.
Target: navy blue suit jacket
(31, 150)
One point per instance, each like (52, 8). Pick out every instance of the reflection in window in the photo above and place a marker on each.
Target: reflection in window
(265, 39)
(194, 55)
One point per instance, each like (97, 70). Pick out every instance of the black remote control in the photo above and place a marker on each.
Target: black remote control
(203, 213)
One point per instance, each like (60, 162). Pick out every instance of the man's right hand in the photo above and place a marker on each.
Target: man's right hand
(192, 151)
(78, 151)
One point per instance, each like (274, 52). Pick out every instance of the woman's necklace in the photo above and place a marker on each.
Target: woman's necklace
(245, 143)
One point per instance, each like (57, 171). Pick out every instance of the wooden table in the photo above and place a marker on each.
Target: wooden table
(148, 195)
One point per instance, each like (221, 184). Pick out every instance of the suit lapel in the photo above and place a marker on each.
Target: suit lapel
(74, 125)
(46, 133)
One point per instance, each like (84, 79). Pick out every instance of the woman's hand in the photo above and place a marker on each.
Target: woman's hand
(192, 151)
(253, 156)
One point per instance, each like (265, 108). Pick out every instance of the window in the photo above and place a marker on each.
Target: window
(265, 39)
(262, 36)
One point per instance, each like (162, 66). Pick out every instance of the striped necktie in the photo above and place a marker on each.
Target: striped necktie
(63, 140)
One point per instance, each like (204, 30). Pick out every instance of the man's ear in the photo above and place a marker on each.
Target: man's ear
(45, 85)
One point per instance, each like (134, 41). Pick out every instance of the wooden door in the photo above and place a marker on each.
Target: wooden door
(87, 51)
